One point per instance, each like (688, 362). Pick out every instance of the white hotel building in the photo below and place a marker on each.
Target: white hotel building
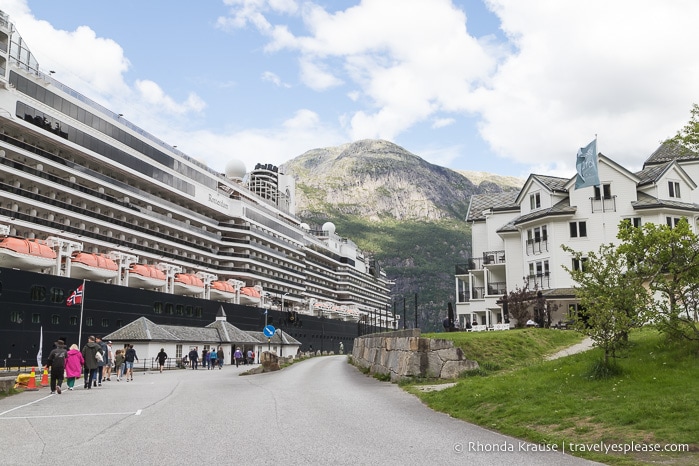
(517, 236)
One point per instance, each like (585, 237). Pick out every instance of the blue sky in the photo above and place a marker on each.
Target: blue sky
(502, 86)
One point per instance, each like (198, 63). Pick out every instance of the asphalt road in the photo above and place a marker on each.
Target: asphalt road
(319, 411)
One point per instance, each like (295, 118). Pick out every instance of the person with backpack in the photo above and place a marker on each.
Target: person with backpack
(57, 363)
(161, 357)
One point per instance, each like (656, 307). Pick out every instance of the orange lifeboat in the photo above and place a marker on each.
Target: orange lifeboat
(250, 295)
(146, 276)
(92, 266)
(222, 290)
(26, 254)
(188, 284)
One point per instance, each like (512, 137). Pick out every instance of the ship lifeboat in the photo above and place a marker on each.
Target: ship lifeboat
(26, 254)
(146, 276)
(92, 266)
(221, 290)
(250, 295)
(188, 284)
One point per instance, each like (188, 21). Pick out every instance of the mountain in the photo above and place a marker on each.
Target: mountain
(410, 214)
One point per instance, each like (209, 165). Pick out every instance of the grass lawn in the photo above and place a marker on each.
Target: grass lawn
(655, 398)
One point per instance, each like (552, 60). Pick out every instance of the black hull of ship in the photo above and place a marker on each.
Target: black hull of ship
(39, 301)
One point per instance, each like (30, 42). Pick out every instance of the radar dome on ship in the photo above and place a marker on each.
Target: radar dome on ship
(305, 226)
(329, 227)
(235, 169)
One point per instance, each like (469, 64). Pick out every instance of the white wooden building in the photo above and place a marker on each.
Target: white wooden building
(517, 236)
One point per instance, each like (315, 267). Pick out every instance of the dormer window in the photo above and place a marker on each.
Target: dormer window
(535, 201)
(674, 188)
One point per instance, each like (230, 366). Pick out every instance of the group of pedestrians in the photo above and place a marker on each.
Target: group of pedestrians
(214, 357)
(95, 363)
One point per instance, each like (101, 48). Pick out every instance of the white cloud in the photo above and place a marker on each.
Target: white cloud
(274, 79)
(443, 122)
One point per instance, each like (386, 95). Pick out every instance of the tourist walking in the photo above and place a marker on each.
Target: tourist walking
(119, 364)
(101, 364)
(162, 356)
(205, 357)
(129, 359)
(194, 356)
(90, 356)
(108, 362)
(249, 359)
(213, 358)
(238, 355)
(57, 363)
(219, 353)
(74, 365)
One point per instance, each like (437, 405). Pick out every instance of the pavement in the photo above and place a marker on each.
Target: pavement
(584, 345)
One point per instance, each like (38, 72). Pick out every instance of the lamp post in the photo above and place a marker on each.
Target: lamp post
(283, 301)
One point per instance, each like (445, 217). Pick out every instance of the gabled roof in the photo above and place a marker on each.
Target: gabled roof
(143, 329)
(554, 184)
(562, 207)
(276, 338)
(653, 173)
(646, 201)
(669, 151)
(490, 201)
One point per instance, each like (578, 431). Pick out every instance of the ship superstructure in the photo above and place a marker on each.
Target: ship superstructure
(81, 179)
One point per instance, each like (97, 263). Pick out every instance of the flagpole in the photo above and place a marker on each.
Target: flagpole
(39, 355)
(82, 304)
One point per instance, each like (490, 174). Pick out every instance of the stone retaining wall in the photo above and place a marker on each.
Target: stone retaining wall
(405, 354)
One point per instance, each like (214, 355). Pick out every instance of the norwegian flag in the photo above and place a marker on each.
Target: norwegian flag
(76, 297)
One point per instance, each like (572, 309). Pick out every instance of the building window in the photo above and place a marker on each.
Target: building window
(578, 229)
(36, 318)
(57, 295)
(672, 221)
(178, 351)
(55, 319)
(119, 323)
(535, 201)
(89, 322)
(16, 317)
(674, 188)
(580, 264)
(73, 320)
(606, 191)
(105, 323)
(636, 222)
(158, 307)
(169, 309)
(179, 309)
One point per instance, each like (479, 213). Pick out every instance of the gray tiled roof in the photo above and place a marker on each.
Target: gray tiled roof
(669, 151)
(649, 202)
(553, 183)
(652, 173)
(230, 333)
(562, 207)
(220, 331)
(276, 339)
(141, 329)
(495, 201)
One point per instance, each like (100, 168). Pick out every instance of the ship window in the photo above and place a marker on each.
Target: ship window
(89, 322)
(158, 307)
(16, 317)
(188, 311)
(169, 308)
(55, 319)
(179, 309)
(36, 318)
(198, 311)
(38, 293)
(57, 295)
(105, 322)
(73, 320)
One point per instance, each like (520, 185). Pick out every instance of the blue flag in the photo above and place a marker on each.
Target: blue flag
(586, 165)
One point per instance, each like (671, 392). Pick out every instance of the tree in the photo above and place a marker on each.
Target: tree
(519, 303)
(688, 136)
(667, 259)
(612, 296)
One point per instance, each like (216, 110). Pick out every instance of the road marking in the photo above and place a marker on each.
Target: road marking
(129, 413)
(24, 406)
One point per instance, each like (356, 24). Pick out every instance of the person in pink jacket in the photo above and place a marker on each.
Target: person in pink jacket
(74, 365)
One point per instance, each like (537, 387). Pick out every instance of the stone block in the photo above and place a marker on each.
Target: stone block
(450, 354)
(452, 369)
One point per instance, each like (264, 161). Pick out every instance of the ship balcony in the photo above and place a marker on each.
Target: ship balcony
(493, 257)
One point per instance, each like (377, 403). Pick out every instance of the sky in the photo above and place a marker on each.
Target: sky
(503, 86)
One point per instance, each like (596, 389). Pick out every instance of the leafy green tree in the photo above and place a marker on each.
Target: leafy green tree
(519, 304)
(689, 135)
(667, 259)
(612, 296)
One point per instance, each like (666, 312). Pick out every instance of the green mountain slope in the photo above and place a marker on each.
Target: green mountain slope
(409, 213)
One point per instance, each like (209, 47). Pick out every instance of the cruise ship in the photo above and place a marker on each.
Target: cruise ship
(90, 201)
